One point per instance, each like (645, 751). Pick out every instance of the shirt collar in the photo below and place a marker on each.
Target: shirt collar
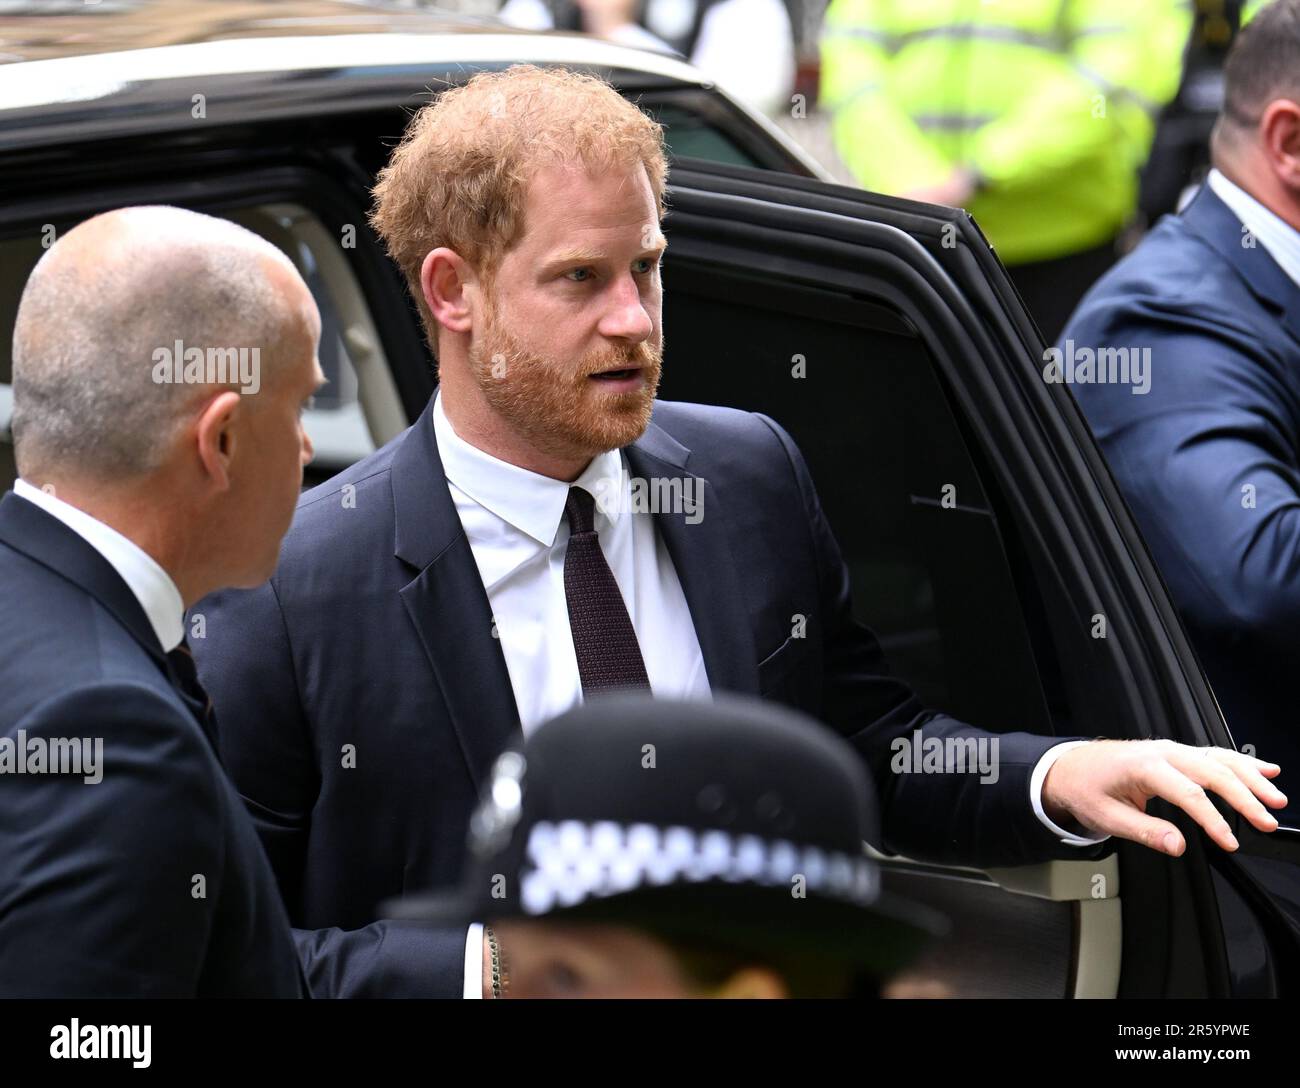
(1274, 233)
(529, 501)
(151, 585)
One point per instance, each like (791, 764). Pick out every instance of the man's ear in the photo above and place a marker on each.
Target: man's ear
(216, 435)
(443, 278)
(1280, 129)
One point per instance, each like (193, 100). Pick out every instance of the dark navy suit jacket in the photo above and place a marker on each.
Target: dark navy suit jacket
(97, 889)
(1209, 458)
(372, 644)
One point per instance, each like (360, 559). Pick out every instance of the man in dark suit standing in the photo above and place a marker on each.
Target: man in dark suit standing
(1206, 442)
(545, 532)
(148, 477)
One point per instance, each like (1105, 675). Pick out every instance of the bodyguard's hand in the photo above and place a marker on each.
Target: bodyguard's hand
(1106, 784)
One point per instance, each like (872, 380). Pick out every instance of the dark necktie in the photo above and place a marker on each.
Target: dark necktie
(608, 655)
(182, 662)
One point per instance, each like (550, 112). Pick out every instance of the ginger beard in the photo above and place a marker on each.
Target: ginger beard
(555, 404)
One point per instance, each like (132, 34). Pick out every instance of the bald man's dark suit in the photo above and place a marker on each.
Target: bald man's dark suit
(99, 888)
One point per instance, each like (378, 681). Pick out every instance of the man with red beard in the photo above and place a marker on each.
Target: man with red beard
(463, 584)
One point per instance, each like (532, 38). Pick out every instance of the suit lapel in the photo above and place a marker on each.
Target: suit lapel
(705, 562)
(448, 604)
(1218, 225)
(27, 528)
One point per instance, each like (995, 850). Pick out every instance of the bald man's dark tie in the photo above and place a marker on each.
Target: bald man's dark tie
(609, 658)
(182, 662)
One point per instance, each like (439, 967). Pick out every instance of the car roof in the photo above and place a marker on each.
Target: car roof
(290, 75)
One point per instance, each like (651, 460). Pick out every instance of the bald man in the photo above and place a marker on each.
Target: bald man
(161, 362)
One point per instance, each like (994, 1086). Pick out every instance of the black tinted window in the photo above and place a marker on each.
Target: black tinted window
(908, 503)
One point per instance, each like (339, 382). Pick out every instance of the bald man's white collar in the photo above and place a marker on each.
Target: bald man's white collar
(151, 585)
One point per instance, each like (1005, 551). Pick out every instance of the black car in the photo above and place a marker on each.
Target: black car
(988, 545)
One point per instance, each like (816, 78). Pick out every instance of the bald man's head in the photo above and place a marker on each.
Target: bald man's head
(106, 300)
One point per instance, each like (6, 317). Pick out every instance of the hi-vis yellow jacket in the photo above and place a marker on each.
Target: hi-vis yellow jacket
(1051, 103)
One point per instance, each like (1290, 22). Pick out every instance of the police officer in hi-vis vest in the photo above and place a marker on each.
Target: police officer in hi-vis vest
(1034, 115)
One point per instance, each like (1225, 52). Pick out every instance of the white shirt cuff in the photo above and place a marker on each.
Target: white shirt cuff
(1036, 781)
(474, 961)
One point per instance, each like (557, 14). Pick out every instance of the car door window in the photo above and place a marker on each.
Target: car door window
(898, 482)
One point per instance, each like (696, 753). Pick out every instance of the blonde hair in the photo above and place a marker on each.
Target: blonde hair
(460, 176)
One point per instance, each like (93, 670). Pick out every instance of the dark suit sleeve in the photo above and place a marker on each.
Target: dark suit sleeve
(383, 959)
(246, 665)
(951, 817)
(1208, 460)
(100, 896)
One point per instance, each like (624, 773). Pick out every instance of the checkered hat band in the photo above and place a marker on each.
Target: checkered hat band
(571, 861)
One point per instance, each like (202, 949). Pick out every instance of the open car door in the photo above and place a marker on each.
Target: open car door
(989, 550)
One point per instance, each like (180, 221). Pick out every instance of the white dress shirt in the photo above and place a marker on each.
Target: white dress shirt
(151, 585)
(1273, 232)
(518, 533)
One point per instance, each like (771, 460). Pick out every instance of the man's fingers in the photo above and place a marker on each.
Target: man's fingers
(1228, 778)
(1181, 775)
(1126, 822)
(1253, 774)
(1162, 779)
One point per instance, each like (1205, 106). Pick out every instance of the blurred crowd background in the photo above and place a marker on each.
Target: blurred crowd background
(1066, 127)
